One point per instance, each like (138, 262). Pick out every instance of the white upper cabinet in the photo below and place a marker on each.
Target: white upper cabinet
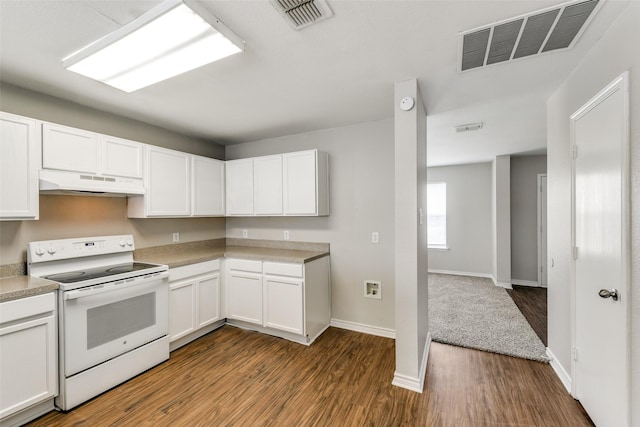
(76, 150)
(167, 178)
(19, 164)
(267, 185)
(239, 186)
(178, 184)
(290, 184)
(69, 149)
(121, 157)
(207, 185)
(306, 183)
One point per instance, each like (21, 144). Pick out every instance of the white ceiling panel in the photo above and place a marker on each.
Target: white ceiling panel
(337, 72)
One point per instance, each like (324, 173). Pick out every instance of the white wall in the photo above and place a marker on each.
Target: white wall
(615, 53)
(411, 264)
(27, 103)
(361, 163)
(524, 216)
(502, 220)
(468, 219)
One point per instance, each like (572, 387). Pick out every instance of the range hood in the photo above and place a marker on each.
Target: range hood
(84, 184)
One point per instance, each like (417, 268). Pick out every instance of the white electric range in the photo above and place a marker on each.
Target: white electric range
(112, 312)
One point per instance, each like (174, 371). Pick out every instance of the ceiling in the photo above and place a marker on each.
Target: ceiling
(338, 72)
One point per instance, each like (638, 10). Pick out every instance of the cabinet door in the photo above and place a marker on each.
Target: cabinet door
(284, 304)
(182, 309)
(207, 183)
(300, 189)
(239, 187)
(69, 149)
(208, 300)
(267, 185)
(244, 296)
(167, 183)
(121, 157)
(28, 363)
(19, 164)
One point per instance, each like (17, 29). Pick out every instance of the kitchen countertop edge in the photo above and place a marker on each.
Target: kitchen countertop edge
(17, 287)
(187, 257)
(23, 286)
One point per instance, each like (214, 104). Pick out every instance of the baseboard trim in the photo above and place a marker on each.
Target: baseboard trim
(504, 285)
(531, 283)
(462, 273)
(559, 370)
(411, 383)
(366, 329)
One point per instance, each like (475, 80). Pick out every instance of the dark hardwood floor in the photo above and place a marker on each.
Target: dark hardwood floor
(233, 377)
(532, 302)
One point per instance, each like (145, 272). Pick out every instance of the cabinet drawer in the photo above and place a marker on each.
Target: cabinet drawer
(179, 273)
(26, 307)
(283, 269)
(244, 265)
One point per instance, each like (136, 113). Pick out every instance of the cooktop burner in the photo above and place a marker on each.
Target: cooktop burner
(95, 273)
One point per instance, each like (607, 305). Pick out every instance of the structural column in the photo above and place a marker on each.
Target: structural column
(411, 270)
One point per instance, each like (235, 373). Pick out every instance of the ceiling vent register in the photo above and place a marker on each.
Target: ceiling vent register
(302, 13)
(555, 28)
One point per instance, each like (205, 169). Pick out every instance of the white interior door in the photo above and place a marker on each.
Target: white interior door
(601, 235)
(542, 230)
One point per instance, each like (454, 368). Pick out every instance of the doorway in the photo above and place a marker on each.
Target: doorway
(601, 253)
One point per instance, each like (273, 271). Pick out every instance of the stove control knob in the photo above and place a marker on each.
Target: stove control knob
(51, 250)
(39, 251)
(129, 242)
(122, 244)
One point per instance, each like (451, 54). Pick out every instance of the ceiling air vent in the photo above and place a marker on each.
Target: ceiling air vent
(302, 13)
(554, 28)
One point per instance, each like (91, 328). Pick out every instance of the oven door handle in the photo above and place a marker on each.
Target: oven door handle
(113, 286)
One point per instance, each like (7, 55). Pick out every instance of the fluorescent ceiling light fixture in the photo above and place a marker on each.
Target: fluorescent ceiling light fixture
(172, 38)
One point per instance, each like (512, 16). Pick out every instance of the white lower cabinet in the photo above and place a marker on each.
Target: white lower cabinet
(283, 304)
(243, 287)
(289, 300)
(28, 358)
(194, 301)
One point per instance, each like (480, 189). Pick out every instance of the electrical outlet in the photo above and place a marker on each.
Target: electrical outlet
(245, 233)
(286, 234)
(176, 237)
(375, 237)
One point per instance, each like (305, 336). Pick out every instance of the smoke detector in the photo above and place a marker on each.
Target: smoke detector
(302, 13)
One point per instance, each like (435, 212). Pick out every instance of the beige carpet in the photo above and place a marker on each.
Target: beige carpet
(472, 312)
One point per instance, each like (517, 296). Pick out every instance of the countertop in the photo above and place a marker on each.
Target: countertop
(24, 286)
(180, 258)
(178, 255)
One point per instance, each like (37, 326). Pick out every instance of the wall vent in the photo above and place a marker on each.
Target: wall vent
(302, 13)
(468, 127)
(546, 30)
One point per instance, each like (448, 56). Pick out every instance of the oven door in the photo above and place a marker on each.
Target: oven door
(103, 321)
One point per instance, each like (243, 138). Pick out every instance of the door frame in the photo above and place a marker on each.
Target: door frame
(541, 261)
(620, 83)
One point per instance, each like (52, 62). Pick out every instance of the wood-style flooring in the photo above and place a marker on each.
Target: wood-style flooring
(233, 377)
(532, 302)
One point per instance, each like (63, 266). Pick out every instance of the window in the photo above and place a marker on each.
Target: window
(437, 215)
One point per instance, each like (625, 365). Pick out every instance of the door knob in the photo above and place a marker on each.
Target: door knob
(605, 293)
